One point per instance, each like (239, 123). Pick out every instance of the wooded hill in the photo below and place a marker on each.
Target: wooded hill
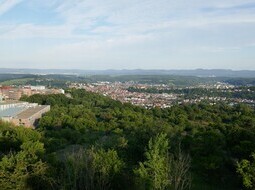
(93, 142)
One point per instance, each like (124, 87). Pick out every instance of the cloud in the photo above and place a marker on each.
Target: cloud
(145, 30)
(111, 18)
(27, 31)
(6, 5)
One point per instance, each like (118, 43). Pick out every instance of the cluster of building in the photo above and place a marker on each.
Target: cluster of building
(15, 93)
(210, 99)
(22, 113)
(119, 91)
(217, 85)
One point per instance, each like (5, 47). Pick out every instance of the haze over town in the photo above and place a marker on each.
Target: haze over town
(118, 34)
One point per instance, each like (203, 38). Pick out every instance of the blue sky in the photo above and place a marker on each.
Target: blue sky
(127, 34)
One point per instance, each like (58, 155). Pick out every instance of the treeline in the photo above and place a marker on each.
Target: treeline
(241, 81)
(241, 92)
(5, 77)
(93, 142)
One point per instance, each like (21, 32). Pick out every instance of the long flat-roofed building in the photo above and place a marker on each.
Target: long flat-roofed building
(11, 104)
(30, 116)
(8, 114)
(22, 113)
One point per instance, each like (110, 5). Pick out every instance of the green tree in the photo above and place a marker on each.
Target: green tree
(107, 165)
(154, 172)
(24, 170)
(246, 169)
(162, 170)
(91, 169)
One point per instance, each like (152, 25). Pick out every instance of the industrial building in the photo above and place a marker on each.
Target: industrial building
(30, 116)
(22, 113)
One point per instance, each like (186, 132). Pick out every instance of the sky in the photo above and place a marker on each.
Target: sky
(127, 34)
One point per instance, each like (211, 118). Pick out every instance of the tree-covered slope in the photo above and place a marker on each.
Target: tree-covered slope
(93, 142)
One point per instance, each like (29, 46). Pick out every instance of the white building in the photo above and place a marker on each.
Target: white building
(38, 87)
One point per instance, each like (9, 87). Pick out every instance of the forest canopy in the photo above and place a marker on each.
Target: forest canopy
(90, 141)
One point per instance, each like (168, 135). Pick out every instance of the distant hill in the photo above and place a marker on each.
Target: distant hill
(196, 72)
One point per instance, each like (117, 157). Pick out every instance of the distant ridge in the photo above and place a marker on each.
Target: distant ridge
(195, 72)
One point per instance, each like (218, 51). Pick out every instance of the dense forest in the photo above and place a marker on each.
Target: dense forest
(93, 142)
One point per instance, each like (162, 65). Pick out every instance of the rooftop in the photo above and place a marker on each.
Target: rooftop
(10, 102)
(30, 111)
(11, 112)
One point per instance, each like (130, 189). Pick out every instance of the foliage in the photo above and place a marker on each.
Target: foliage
(155, 170)
(205, 139)
(246, 169)
(162, 170)
(90, 169)
(22, 167)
